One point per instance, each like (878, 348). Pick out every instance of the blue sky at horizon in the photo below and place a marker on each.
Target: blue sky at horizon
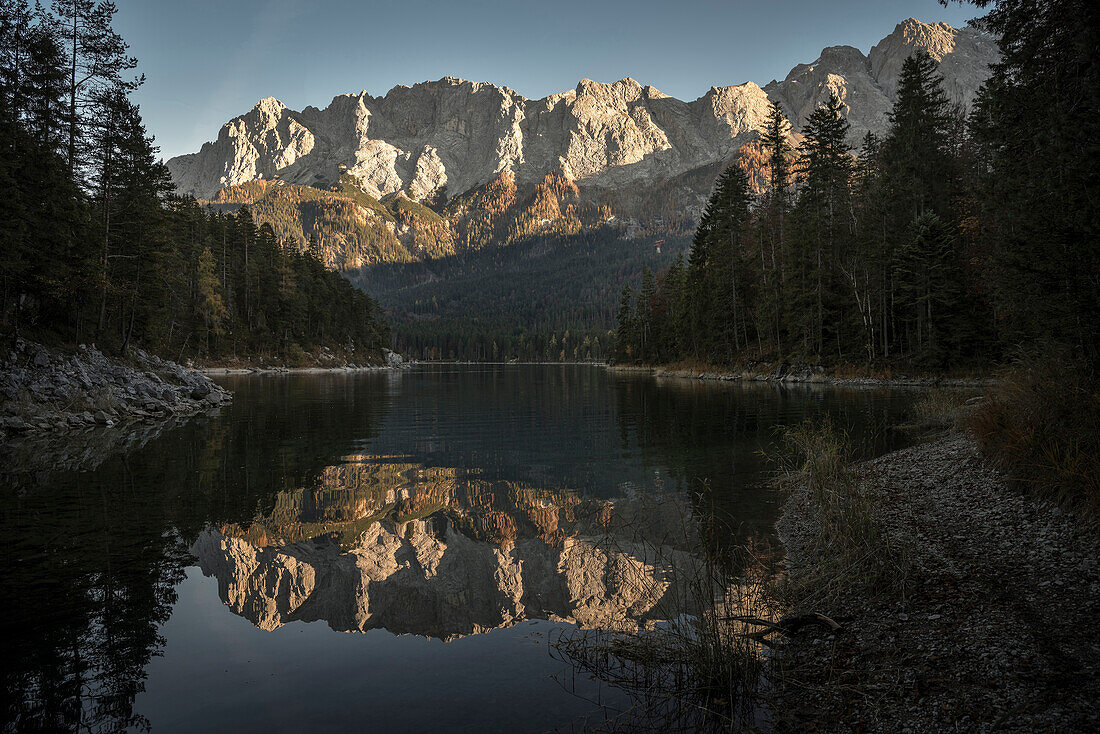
(207, 61)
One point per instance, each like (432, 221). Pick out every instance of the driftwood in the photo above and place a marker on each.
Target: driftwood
(787, 625)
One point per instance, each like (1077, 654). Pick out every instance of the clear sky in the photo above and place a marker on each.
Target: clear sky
(209, 60)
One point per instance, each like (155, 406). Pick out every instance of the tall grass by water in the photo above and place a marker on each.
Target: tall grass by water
(702, 669)
(847, 543)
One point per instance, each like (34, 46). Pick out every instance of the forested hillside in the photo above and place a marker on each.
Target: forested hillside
(949, 243)
(543, 298)
(96, 247)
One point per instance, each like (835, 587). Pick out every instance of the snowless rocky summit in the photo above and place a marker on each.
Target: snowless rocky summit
(453, 135)
(867, 85)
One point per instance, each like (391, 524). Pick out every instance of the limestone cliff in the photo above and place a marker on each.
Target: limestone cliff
(867, 85)
(450, 136)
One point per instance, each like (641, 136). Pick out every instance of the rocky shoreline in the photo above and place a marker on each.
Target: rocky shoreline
(44, 390)
(328, 362)
(996, 628)
(804, 374)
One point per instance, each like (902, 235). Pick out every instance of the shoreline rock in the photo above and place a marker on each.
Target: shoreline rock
(45, 390)
(391, 361)
(804, 374)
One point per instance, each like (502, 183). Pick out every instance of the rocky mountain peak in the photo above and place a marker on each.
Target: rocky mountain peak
(454, 135)
(269, 106)
(964, 56)
(867, 85)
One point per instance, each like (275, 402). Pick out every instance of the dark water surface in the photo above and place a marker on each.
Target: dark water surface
(384, 552)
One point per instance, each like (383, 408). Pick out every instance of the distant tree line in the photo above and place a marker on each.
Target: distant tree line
(480, 341)
(95, 245)
(521, 301)
(949, 242)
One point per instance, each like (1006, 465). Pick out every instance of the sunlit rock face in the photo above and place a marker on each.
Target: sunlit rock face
(867, 85)
(453, 135)
(434, 551)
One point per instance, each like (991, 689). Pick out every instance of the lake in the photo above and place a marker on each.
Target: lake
(391, 551)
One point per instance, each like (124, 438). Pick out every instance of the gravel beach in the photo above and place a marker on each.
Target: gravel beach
(997, 629)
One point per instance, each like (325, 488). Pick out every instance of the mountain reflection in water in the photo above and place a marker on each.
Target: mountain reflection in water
(438, 501)
(440, 552)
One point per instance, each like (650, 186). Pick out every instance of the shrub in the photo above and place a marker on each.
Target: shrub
(296, 356)
(1041, 427)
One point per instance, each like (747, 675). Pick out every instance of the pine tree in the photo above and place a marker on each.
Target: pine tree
(916, 152)
(97, 61)
(824, 216)
(644, 317)
(715, 279)
(626, 340)
(867, 267)
(209, 305)
(1037, 135)
(776, 204)
(920, 176)
(930, 288)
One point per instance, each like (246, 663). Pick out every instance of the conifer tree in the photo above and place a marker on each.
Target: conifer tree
(644, 316)
(916, 152)
(1037, 134)
(930, 288)
(716, 278)
(97, 63)
(776, 204)
(824, 216)
(626, 344)
(211, 308)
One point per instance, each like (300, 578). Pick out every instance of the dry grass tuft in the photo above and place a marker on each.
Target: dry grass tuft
(938, 410)
(847, 544)
(1041, 427)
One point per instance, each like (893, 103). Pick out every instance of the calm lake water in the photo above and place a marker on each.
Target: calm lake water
(384, 551)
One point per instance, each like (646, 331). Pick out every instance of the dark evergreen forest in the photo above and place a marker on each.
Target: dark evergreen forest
(955, 241)
(95, 245)
(545, 298)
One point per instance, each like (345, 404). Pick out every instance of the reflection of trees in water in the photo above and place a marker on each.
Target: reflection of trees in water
(711, 436)
(93, 558)
(84, 592)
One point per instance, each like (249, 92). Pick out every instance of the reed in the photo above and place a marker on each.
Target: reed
(702, 668)
(846, 542)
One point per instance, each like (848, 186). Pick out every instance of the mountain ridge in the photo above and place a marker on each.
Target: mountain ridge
(442, 138)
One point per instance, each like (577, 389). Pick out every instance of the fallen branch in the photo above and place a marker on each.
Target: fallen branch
(787, 625)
